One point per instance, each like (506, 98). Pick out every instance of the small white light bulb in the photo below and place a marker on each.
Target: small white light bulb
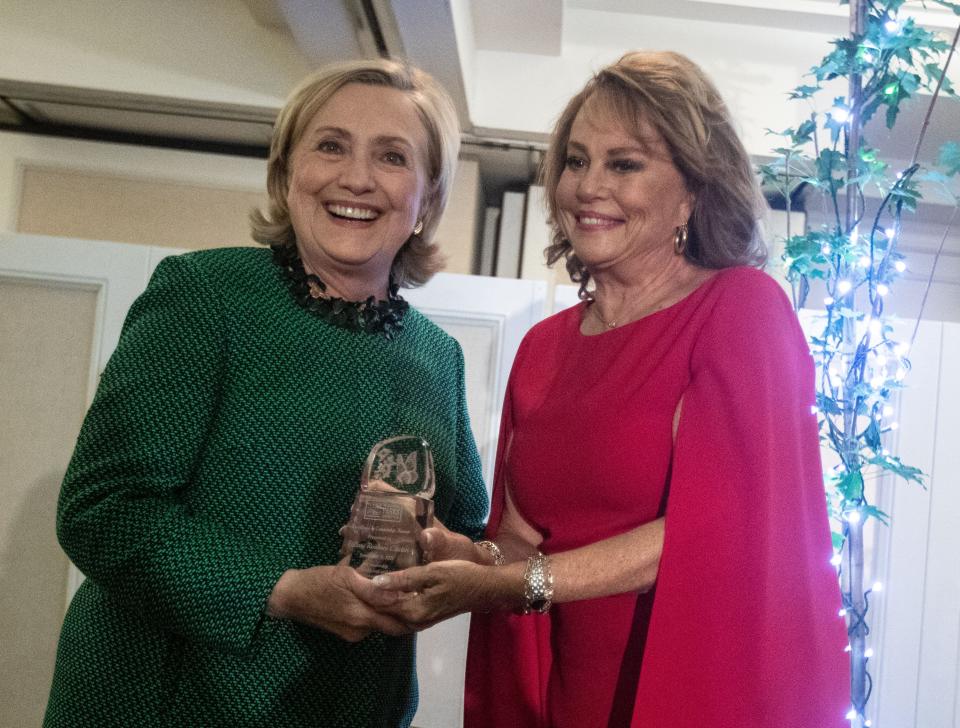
(868, 653)
(891, 233)
(900, 266)
(828, 301)
(836, 560)
(877, 586)
(844, 286)
(883, 289)
(864, 261)
(887, 411)
(840, 114)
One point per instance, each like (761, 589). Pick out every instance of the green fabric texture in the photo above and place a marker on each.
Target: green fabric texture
(223, 447)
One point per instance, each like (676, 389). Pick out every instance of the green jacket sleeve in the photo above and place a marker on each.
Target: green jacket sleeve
(123, 517)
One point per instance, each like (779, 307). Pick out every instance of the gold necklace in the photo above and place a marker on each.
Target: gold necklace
(600, 318)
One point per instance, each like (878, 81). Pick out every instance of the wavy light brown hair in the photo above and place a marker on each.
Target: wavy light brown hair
(672, 93)
(420, 257)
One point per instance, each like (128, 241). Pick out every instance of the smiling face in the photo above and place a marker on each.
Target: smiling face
(620, 197)
(357, 183)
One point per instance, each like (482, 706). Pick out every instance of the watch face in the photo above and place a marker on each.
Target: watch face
(537, 605)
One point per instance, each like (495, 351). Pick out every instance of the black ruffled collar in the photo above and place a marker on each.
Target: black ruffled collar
(371, 316)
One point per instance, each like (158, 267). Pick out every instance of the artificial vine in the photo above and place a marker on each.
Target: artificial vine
(885, 61)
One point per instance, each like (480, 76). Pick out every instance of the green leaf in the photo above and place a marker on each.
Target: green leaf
(909, 83)
(869, 511)
(892, 112)
(772, 132)
(872, 435)
(828, 404)
(894, 465)
(850, 486)
(804, 133)
(949, 158)
(837, 540)
(803, 92)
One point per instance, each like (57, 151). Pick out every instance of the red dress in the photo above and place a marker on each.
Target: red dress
(742, 628)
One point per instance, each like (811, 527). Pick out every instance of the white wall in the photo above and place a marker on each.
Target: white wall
(18, 150)
(754, 79)
(916, 617)
(209, 51)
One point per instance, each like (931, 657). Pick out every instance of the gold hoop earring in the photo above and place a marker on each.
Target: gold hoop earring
(418, 228)
(680, 239)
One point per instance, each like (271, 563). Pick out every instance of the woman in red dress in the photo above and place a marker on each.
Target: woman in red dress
(658, 548)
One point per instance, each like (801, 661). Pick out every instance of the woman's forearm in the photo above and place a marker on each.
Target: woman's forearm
(628, 562)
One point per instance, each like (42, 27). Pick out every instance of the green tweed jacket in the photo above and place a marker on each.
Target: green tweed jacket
(223, 447)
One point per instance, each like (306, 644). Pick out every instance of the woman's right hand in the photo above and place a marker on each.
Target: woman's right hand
(334, 598)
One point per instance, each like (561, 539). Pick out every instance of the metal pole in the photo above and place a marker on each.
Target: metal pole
(854, 597)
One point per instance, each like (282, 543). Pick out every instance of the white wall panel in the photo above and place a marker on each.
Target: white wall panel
(917, 629)
(941, 606)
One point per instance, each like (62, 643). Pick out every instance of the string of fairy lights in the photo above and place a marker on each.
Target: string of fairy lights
(860, 363)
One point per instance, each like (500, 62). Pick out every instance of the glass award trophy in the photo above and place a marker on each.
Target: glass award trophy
(392, 507)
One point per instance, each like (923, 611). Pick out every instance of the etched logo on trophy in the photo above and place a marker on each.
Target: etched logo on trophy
(392, 507)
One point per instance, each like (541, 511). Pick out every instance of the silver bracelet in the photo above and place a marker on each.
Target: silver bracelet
(537, 585)
(491, 548)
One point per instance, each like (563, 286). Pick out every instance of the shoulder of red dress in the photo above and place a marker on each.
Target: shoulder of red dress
(744, 288)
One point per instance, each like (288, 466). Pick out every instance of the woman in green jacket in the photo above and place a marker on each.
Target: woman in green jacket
(223, 449)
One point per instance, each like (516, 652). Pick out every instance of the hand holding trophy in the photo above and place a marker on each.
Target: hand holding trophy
(392, 507)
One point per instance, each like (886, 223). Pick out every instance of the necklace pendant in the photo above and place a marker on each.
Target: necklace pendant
(612, 325)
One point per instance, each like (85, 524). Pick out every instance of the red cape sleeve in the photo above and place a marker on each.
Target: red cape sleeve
(508, 657)
(745, 627)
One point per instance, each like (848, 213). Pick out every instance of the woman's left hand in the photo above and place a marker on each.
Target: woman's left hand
(444, 589)
(441, 544)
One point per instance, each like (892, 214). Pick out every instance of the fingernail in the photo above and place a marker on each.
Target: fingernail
(381, 580)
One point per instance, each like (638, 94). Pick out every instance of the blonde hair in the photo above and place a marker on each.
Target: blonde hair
(420, 257)
(674, 95)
